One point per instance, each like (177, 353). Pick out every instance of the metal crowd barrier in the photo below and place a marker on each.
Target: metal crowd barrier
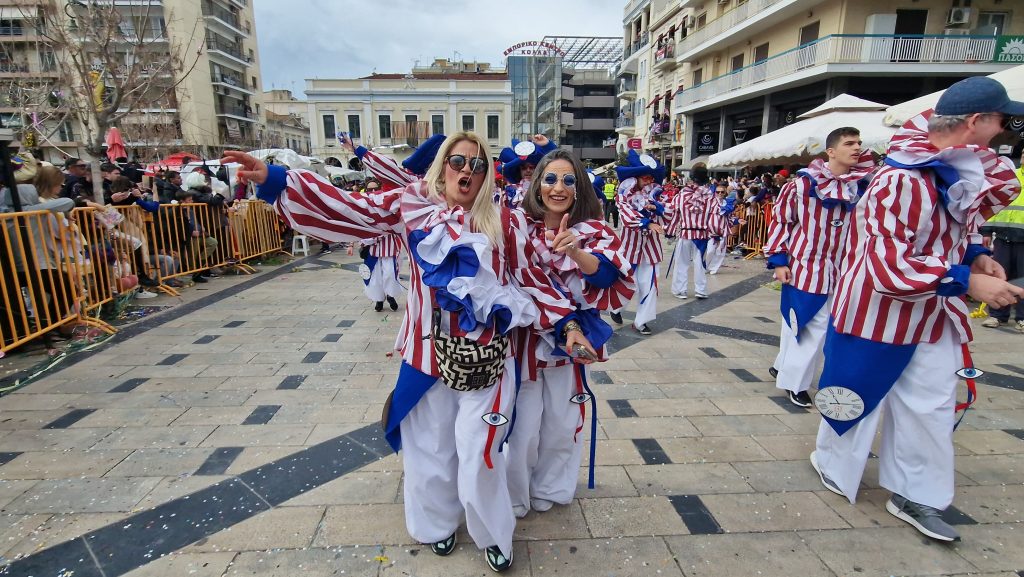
(71, 267)
(754, 233)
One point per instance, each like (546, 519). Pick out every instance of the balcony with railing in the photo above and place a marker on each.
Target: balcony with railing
(625, 122)
(691, 46)
(627, 89)
(665, 55)
(234, 51)
(225, 17)
(244, 112)
(234, 81)
(921, 54)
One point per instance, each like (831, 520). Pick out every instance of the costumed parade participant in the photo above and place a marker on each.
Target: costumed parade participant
(518, 164)
(718, 245)
(470, 284)
(697, 218)
(380, 263)
(806, 235)
(898, 341)
(644, 219)
(580, 255)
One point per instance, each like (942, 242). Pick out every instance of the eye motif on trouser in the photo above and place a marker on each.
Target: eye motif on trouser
(970, 373)
(580, 398)
(495, 419)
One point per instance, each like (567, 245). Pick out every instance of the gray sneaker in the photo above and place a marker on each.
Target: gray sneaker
(829, 483)
(927, 520)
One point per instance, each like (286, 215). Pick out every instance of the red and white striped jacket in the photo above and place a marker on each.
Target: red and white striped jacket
(506, 276)
(905, 240)
(640, 245)
(598, 238)
(696, 214)
(384, 246)
(810, 222)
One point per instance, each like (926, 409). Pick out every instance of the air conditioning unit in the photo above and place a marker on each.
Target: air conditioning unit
(959, 16)
(689, 22)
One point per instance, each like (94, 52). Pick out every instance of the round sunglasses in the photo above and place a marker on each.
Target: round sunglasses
(476, 164)
(568, 179)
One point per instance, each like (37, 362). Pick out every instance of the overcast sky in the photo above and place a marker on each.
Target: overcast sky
(301, 39)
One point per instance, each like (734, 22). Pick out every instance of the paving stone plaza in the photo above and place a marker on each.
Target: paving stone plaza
(238, 434)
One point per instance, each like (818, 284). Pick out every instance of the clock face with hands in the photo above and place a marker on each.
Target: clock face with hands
(839, 403)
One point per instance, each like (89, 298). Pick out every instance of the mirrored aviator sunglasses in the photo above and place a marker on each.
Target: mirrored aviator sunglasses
(476, 164)
(568, 180)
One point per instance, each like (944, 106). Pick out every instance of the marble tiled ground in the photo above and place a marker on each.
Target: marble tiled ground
(240, 438)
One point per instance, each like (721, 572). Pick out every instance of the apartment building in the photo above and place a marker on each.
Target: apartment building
(742, 68)
(394, 113)
(216, 103)
(287, 121)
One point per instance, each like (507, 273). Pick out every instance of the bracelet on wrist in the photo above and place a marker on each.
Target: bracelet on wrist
(571, 326)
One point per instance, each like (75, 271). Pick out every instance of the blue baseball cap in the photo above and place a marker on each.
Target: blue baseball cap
(977, 95)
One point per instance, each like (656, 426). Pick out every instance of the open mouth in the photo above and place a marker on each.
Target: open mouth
(464, 184)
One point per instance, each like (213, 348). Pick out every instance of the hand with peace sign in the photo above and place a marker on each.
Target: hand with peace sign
(253, 169)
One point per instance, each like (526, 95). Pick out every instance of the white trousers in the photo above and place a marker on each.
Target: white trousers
(443, 441)
(798, 361)
(916, 450)
(687, 254)
(544, 450)
(646, 277)
(383, 280)
(717, 252)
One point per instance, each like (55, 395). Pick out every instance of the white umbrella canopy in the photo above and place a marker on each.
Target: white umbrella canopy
(285, 156)
(1012, 79)
(800, 142)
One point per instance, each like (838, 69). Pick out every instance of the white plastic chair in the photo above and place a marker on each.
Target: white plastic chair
(300, 242)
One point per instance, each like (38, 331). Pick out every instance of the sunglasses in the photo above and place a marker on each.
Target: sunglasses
(568, 180)
(476, 164)
(1005, 120)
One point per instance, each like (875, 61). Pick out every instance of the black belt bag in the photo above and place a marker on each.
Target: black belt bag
(466, 365)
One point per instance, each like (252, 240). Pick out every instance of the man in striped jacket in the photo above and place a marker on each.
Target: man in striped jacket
(806, 234)
(644, 218)
(899, 337)
(696, 221)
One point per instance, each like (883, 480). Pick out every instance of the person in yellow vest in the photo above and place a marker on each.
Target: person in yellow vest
(611, 212)
(1007, 231)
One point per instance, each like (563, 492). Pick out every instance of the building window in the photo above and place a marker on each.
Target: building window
(995, 22)
(353, 127)
(697, 76)
(702, 20)
(329, 127)
(737, 62)
(468, 122)
(761, 53)
(437, 124)
(492, 127)
(65, 133)
(253, 82)
(384, 126)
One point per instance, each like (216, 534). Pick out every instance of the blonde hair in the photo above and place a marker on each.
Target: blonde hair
(484, 216)
(48, 182)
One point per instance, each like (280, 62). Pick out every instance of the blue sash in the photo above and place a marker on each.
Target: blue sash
(804, 303)
(866, 367)
(371, 263)
(409, 389)
(702, 245)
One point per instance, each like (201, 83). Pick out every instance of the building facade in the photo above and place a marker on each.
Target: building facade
(393, 113)
(588, 112)
(216, 98)
(287, 121)
(726, 71)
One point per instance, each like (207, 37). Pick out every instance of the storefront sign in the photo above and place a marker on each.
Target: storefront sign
(707, 142)
(635, 143)
(534, 48)
(1010, 49)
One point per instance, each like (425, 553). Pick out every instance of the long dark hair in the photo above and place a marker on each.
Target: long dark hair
(585, 206)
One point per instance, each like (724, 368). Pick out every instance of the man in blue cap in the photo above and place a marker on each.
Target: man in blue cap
(897, 344)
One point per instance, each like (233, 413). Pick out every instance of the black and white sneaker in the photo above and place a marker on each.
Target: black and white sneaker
(393, 303)
(773, 372)
(496, 560)
(927, 520)
(444, 548)
(801, 399)
(828, 483)
(378, 306)
(643, 329)
(616, 318)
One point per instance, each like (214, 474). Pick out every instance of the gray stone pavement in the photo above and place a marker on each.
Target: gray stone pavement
(240, 439)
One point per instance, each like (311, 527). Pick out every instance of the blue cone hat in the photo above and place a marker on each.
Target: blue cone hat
(421, 158)
(641, 165)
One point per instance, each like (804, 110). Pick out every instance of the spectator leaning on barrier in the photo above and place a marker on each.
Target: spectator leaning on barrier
(167, 188)
(124, 192)
(1006, 229)
(201, 244)
(75, 186)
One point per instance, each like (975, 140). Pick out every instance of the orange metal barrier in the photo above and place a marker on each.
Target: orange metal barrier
(754, 232)
(45, 264)
(68, 268)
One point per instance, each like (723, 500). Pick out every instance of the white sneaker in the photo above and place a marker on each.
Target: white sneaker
(993, 323)
(1020, 326)
(144, 294)
(681, 296)
(700, 295)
